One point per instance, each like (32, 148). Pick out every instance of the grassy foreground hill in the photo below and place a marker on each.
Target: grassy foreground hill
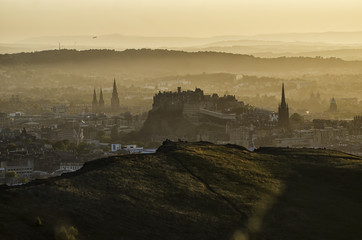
(194, 191)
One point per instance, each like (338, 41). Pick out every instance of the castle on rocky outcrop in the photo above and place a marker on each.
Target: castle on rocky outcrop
(193, 103)
(195, 116)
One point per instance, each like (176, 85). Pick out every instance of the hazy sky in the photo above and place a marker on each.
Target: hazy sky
(27, 18)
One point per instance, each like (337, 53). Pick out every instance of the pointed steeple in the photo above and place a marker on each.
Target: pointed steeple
(94, 102)
(101, 101)
(115, 99)
(114, 87)
(283, 103)
(283, 111)
(94, 96)
(333, 105)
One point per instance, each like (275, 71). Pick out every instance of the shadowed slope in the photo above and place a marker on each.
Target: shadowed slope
(195, 191)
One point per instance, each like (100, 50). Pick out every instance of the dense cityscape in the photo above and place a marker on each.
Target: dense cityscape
(48, 144)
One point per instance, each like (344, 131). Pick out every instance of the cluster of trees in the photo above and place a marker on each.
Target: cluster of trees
(114, 137)
(66, 145)
(12, 178)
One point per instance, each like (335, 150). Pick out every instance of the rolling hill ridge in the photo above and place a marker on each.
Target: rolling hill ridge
(162, 62)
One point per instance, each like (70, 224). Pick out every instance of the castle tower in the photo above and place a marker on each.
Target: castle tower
(114, 99)
(333, 105)
(283, 112)
(101, 101)
(94, 102)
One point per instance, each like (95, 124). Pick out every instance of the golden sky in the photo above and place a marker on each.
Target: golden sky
(196, 18)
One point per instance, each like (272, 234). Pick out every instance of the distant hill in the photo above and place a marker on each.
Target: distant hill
(326, 37)
(349, 53)
(273, 45)
(121, 41)
(194, 191)
(134, 41)
(164, 62)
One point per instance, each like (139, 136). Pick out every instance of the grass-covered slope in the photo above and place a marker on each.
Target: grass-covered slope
(195, 191)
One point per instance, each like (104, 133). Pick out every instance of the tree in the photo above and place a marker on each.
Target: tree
(11, 174)
(82, 148)
(11, 147)
(128, 117)
(61, 145)
(105, 139)
(72, 147)
(114, 133)
(11, 178)
(296, 118)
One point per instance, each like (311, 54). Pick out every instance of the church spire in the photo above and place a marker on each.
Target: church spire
(114, 87)
(101, 101)
(283, 103)
(333, 105)
(115, 99)
(94, 102)
(283, 93)
(283, 111)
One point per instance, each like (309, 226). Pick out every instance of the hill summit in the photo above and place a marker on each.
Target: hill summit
(194, 191)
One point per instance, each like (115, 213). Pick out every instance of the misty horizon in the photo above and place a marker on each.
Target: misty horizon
(179, 18)
(238, 36)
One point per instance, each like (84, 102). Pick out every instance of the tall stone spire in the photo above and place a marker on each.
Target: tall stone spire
(94, 102)
(283, 111)
(283, 95)
(115, 99)
(101, 101)
(333, 105)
